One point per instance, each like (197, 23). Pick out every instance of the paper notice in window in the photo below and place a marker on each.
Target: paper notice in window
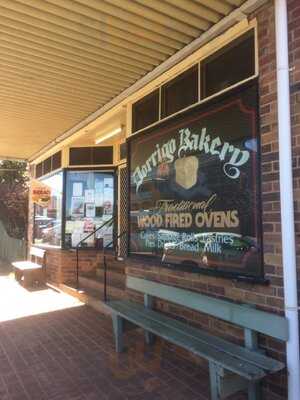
(70, 225)
(77, 206)
(77, 189)
(99, 199)
(89, 196)
(90, 210)
(99, 186)
(76, 237)
(108, 195)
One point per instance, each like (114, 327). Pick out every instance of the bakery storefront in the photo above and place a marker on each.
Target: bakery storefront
(178, 184)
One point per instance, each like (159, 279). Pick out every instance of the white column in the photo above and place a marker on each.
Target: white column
(286, 200)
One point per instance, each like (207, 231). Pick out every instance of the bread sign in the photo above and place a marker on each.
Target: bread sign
(40, 193)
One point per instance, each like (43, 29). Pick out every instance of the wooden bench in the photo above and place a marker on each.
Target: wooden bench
(30, 272)
(231, 367)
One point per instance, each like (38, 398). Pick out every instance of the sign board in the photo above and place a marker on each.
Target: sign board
(194, 190)
(40, 193)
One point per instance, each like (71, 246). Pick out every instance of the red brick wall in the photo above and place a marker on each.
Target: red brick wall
(61, 264)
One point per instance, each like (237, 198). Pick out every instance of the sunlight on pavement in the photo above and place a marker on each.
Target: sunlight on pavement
(18, 302)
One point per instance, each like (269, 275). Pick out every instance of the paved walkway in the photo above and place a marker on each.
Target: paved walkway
(62, 350)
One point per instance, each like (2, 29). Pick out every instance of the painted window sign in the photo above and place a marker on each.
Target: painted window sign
(194, 193)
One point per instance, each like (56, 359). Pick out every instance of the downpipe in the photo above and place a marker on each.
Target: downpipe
(286, 200)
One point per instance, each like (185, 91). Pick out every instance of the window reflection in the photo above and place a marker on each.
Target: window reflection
(48, 220)
(213, 250)
(89, 204)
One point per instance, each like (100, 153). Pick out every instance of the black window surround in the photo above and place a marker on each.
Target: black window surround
(146, 110)
(180, 92)
(224, 68)
(97, 155)
(200, 91)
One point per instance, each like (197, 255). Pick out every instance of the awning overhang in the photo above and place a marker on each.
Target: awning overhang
(65, 62)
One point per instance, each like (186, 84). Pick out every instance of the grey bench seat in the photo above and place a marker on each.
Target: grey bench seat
(237, 359)
(231, 367)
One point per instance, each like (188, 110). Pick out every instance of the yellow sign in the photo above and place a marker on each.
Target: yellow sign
(40, 193)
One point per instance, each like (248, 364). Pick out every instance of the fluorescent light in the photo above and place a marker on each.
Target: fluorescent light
(108, 135)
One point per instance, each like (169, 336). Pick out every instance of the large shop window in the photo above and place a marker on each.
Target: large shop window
(89, 204)
(194, 190)
(47, 218)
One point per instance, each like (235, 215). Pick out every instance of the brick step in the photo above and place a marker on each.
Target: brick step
(112, 265)
(116, 288)
(92, 297)
(98, 294)
(115, 278)
(98, 254)
(117, 274)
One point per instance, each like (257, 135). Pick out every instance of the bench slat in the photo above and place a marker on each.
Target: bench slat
(168, 332)
(260, 321)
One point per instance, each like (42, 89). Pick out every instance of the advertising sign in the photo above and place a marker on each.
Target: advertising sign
(194, 191)
(40, 193)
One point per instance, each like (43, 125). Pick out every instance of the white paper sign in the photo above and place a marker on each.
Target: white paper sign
(89, 196)
(76, 237)
(77, 189)
(90, 210)
(99, 199)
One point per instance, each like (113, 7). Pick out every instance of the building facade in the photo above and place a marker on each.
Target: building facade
(182, 179)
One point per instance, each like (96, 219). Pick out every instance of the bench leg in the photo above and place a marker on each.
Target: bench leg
(148, 303)
(149, 338)
(18, 275)
(254, 391)
(28, 279)
(213, 378)
(251, 342)
(118, 332)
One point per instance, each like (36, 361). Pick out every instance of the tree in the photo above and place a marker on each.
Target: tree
(14, 197)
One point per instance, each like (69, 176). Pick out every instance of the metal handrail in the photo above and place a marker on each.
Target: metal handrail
(78, 246)
(104, 261)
